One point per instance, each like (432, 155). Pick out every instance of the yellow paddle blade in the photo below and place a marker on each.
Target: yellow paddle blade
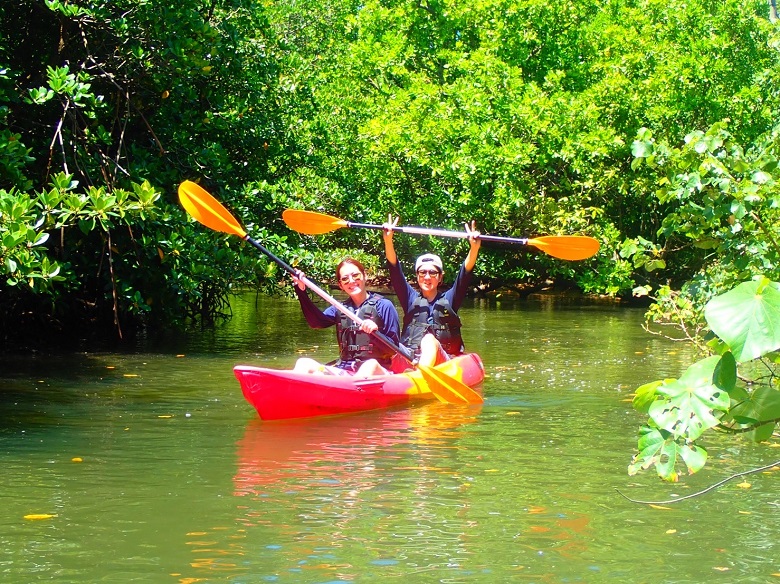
(311, 222)
(567, 247)
(448, 389)
(207, 210)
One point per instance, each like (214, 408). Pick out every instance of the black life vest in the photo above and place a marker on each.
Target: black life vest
(356, 345)
(439, 319)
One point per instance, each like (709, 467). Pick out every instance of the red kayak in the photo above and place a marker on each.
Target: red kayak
(281, 394)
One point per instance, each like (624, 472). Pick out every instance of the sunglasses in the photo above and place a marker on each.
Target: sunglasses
(357, 277)
(431, 273)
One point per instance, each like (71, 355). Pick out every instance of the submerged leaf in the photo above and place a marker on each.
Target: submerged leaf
(39, 516)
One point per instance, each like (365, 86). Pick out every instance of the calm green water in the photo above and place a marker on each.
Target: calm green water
(156, 470)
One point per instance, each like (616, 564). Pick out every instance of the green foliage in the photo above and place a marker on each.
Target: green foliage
(708, 395)
(721, 198)
(118, 96)
(518, 115)
(444, 110)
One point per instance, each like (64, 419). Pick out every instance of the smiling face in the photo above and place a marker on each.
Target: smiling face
(428, 278)
(352, 280)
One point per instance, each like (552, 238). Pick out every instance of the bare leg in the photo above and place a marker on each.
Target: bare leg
(370, 368)
(431, 352)
(309, 366)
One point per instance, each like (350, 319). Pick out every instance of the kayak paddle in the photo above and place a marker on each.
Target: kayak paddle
(206, 210)
(565, 247)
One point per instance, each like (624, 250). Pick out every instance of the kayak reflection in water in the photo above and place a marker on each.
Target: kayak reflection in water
(360, 353)
(431, 322)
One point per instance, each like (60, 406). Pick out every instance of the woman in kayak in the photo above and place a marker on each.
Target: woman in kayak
(360, 352)
(431, 324)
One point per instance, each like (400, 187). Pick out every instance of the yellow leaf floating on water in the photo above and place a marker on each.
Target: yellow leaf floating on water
(513, 413)
(744, 485)
(37, 516)
(720, 568)
(660, 507)
(745, 512)
(77, 459)
(670, 531)
(130, 375)
(165, 416)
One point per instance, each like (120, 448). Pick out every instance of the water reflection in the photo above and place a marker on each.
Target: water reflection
(301, 453)
(308, 491)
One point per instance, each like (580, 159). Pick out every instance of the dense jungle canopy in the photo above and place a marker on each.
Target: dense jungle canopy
(651, 125)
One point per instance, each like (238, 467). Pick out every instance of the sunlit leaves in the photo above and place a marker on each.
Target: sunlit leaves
(24, 221)
(695, 457)
(659, 449)
(646, 394)
(685, 406)
(680, 410)
(747, 318)
(746, 321)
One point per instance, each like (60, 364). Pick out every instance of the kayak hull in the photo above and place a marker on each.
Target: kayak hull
(279, 394)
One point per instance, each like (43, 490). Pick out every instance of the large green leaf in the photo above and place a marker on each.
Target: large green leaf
(657, 448)
(747, 318)
(725, 376)
(652, 446)
(763, 432)
(762, 404)
(686, 405)
(694, 456)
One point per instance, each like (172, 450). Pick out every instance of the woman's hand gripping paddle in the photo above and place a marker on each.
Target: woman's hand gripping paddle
(206, 210)
(564, 247)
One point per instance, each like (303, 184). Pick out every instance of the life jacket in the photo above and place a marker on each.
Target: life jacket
(356, 345)
(439, 319)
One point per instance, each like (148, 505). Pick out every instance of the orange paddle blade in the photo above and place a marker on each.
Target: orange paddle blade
(311, 222)
(206, 210)
(448, 389)
(567, 247)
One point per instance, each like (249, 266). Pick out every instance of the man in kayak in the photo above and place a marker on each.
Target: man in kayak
(360, 352)
(431, 325)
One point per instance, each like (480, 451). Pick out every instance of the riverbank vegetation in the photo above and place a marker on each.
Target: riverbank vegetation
(652, 126)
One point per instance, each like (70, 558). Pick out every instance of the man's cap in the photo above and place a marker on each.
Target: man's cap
(428, 259)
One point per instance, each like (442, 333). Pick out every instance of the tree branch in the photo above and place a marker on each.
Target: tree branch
(708, 489)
